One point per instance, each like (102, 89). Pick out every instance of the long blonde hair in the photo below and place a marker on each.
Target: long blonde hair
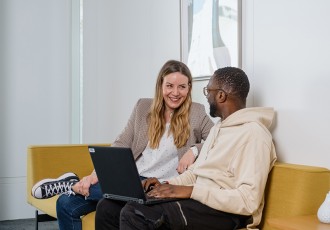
(179, 126)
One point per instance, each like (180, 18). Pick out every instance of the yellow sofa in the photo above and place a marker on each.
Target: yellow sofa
(292, 190)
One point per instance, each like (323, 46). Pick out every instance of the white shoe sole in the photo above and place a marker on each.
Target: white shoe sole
(65, 175)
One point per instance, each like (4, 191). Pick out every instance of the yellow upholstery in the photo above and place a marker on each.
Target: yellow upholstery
(292, 190)
(88, 221)
(51, 161)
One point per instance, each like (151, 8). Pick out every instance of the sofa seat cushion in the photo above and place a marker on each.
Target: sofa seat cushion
(46, 205)
(88, 221)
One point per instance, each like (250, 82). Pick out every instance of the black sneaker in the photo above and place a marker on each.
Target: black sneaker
(48, 188)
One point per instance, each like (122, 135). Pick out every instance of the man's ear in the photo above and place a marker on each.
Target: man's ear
(222, 96)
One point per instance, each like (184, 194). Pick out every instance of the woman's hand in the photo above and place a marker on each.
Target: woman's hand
(187, 159)
(82, 187)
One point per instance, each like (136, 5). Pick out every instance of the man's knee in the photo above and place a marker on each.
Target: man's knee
(127, 211)
(131, 218)
(101, 209)
(107, 214)
(136, 216)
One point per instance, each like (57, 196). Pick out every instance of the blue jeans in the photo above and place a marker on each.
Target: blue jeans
(70, 208)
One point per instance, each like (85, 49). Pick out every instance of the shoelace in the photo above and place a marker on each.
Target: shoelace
(70, 192)
(59, 188)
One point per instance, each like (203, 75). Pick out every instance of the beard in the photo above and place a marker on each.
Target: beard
(213, 110)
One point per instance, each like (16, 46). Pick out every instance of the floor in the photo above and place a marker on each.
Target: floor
(27, 224)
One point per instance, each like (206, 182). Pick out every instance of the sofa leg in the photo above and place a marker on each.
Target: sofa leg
(42, 218)
(36, 219)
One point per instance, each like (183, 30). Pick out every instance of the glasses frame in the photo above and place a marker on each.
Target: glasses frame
(207, 91)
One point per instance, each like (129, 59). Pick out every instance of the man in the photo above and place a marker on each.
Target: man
(224, 188)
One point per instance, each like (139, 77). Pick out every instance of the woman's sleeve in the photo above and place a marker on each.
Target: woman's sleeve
(205, 125)
(125, 138)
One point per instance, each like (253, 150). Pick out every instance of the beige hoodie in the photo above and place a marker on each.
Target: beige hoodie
(231, 171)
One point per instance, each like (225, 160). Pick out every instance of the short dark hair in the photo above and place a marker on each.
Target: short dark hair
(233, 80)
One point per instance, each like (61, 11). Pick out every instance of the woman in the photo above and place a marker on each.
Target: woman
(164, 133)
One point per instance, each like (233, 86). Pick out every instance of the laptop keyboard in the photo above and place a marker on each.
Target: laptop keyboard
(151, 197)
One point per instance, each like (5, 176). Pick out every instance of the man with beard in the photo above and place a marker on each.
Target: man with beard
(224, 188)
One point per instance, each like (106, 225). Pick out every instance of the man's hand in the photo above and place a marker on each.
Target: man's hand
(171, 191)
(150, 183)
(187, 159)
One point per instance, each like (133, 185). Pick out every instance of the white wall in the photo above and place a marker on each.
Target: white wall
(286, 54)
(34, 90)
(125, 44)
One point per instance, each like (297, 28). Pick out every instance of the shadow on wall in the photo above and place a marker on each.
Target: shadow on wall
(255, 99)
(5, 105)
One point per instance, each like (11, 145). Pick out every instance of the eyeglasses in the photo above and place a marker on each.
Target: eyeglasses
(206, 91)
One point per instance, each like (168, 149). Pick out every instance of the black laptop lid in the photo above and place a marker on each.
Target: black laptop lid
(116, 171)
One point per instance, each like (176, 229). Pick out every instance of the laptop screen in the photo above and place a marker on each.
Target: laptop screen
(116, 170)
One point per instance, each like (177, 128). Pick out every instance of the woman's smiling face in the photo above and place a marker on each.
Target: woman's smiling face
(175, 90)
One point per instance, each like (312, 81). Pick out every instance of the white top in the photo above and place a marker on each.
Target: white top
(161, 162)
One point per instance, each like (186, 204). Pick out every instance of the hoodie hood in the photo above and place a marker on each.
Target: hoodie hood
(261, 115)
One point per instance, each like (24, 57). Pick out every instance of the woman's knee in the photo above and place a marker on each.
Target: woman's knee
(62, 202)
(68, 206)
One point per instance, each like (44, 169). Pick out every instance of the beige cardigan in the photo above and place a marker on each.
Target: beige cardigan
(135, 134)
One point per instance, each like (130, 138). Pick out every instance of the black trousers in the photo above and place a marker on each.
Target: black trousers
(183, 214)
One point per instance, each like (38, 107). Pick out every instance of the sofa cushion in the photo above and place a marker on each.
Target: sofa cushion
(294, 190)
(88, 221)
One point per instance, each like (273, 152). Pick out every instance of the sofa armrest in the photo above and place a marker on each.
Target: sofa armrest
(50, 161)
(294, 190)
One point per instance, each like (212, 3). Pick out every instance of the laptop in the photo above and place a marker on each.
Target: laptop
(118, 175)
